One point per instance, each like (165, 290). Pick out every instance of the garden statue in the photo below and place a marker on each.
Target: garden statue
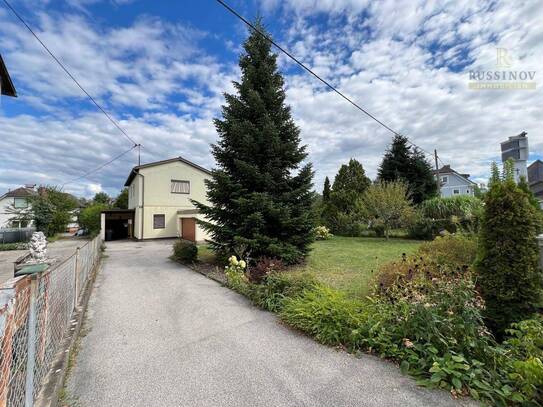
(38, 247)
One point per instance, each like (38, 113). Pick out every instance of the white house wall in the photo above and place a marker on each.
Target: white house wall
(455, 182)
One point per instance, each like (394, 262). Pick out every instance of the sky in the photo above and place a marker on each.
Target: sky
(160, 68)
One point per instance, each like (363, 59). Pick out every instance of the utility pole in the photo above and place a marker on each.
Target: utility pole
(437, 172)
(139, 155)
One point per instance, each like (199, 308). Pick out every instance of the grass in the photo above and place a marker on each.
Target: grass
(348, 263)
(345, 263)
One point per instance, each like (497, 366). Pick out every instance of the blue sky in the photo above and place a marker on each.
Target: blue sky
(160, 69)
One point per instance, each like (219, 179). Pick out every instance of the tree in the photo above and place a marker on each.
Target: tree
(340, 212)
(387, 204)
(51, 210)
(260, 195)
(90, 217)
(400, 163)
(102, 198)
(121, 201)
(507, 266)
(326, 190)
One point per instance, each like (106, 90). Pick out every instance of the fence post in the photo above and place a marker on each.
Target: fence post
(31, 345)
(76, 279)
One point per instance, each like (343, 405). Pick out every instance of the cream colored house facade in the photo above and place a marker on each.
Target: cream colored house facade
(160, 195)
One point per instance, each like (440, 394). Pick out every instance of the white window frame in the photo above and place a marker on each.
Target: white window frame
(184, 186)
(445, 179)
(15, 199)
(456, 192)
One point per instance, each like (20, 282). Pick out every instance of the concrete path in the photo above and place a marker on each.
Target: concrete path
(162, 335)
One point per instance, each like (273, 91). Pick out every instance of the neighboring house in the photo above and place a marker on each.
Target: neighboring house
(18, 198)
(453, 183)
(535, 179)
(159, 203)
(6, 85)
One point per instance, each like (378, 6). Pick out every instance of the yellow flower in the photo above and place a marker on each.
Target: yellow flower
(234, 261)
(242, 264)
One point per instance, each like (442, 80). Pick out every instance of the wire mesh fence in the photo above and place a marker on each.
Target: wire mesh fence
(35, 314)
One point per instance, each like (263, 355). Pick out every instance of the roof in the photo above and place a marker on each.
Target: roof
(136, 169)
(6, 84)
(446, 169)
(19, 193)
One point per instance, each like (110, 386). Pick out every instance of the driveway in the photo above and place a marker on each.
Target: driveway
(59, 249)
(159, 334)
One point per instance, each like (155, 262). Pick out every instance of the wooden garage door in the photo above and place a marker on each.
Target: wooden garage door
(188, 229)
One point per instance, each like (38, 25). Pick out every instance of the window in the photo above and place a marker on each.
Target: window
(180, 187)
(444, 179)
(159, 221)
(20, 202)
(456, 191)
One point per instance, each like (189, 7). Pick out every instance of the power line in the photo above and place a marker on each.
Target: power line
(297, 61)
(99, 167)
(69, 74)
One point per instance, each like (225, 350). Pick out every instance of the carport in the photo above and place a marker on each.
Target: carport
(117, 224)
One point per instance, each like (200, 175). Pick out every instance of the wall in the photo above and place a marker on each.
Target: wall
(455, 182)
(4, 216)
(158, 198)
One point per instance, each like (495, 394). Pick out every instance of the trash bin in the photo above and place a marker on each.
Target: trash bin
(109, 234)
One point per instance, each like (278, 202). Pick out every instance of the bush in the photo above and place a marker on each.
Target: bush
(89, 218)
(13, 246)
(450, 250)
(325, 313)
(510, 278)
(524, 346)
(185, 251)
(263, 267)
(322, 233)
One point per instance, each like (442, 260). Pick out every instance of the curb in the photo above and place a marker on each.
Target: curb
(58, 373)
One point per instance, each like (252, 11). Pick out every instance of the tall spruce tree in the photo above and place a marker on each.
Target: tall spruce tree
(400, 163)
(349, 184)
(260, 194)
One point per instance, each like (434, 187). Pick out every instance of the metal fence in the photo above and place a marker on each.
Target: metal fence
(35, 314)
(15, 235)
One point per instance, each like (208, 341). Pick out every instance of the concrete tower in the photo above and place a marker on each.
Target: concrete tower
(516, 148)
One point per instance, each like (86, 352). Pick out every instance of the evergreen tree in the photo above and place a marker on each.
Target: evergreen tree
(340, 213)
(400, 163)
(509, 276)
(121, 201)
(260, 194)
(326, 190)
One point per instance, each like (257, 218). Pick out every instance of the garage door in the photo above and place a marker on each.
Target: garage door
(188, 229)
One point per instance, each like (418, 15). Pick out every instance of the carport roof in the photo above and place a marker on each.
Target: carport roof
(136, 169)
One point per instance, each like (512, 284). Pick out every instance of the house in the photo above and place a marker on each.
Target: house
(453, 183)
(18, 199)
(6, 85)
(159, 202)
(535, 179)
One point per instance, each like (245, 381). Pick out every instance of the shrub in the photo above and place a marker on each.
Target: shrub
(510, 278)
(322, 233)
(524, 346)
(89, 218)
(185, 251)
(13, 246)
(325, 313)
(263, 267)
(450, 250)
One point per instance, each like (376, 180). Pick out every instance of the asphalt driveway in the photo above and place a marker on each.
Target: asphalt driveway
(159, 334)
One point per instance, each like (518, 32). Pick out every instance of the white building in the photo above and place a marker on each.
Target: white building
(18, 199)
(453, 183)
(516, 148)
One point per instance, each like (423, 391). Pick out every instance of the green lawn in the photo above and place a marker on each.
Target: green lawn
(348, 263)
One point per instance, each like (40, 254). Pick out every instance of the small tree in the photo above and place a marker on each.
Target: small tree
(121, 201)
(509, 276)
(326, 190)
(387, 204)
